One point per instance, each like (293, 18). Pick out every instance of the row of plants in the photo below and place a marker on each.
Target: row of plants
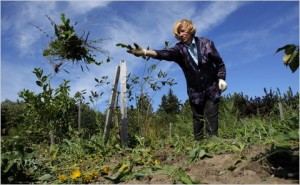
(76, 159)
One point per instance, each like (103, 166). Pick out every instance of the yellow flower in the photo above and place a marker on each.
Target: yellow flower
(62, 177)
(124, 167)
(106, 169)
(156, 162)
(76, 174)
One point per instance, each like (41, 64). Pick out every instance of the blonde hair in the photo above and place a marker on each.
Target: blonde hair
(184, 23)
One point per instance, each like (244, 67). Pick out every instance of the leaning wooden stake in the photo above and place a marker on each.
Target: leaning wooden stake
(111, 106)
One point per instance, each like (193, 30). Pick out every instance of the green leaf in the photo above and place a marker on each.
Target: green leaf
(44, 79)
(123, 45)
(119, 177)
(44, 177)
(184, 177)
(289, 46)
(39, 83)
(8, 167)
(63, 19)
(202, 153)
(294, 61)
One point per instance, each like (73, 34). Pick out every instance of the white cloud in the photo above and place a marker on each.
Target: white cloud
(20, 29)
(83, 7)
(214, 14)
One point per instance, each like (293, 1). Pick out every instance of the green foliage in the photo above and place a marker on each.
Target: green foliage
(140, 91)
(10, 116)
(169, 104)
(51, 110)
(179, 175)
(19, 161)
(241, 106)
(291, 56)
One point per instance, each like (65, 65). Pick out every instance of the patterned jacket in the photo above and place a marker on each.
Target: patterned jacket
(201, 79)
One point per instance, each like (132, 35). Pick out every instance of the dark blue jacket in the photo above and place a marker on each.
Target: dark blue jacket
(201, 79)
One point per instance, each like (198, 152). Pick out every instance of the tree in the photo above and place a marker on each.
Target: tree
(170, 103)
(144, 104)
(10, 115)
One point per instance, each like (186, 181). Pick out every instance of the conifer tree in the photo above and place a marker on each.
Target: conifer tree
(170, 103)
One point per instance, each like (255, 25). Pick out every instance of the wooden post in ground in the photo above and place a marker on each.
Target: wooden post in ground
(281, 111)
(124, 127)
(51, 135)
(111, 106)
(79, 116)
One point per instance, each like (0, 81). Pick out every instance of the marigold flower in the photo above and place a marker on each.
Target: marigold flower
(62, 177)
(76, 174)
(124, 167)
(106, 169)
(156, 161)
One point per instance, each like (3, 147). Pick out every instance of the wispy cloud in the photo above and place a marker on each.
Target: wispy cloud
(21, 24)
(214, 14)
(83, 7)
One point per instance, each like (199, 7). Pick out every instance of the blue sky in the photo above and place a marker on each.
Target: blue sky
(246, 34)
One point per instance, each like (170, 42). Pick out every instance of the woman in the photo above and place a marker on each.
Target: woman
(204, 71)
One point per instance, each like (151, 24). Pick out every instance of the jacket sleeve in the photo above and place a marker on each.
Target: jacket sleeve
(170, 54)
(214, 56)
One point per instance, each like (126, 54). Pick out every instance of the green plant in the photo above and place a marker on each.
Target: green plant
(16, 160)
(50, 110)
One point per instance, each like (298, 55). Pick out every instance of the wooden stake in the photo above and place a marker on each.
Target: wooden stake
(281, 111)
(111, 106)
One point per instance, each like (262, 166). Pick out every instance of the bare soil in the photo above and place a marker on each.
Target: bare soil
(226, 168)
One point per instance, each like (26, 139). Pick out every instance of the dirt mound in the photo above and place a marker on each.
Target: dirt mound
(226, 168)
